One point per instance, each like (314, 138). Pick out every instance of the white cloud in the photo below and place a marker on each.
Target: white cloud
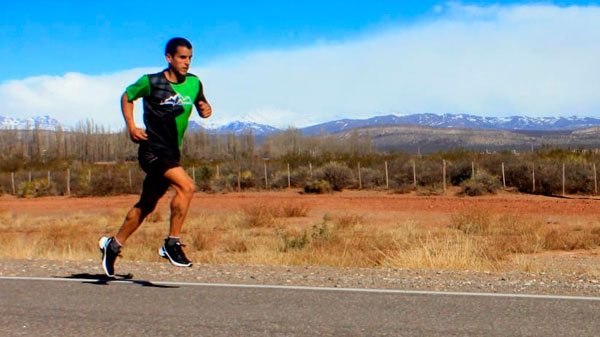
(534, 60)
(71, 98)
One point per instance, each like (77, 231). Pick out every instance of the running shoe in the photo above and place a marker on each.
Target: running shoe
(109, 255)
(174, 253)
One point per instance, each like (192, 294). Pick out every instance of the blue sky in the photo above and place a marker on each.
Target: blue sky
(54, 49)
(95, 37)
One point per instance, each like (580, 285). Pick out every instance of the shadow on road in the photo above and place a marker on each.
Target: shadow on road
(101, 279)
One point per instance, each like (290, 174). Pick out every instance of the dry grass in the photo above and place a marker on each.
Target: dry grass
(287, 234)
(265, 215)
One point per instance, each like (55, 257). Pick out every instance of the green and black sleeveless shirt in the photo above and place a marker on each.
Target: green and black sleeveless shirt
(167, 109)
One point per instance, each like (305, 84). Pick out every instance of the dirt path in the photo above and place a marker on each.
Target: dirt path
(356, 201)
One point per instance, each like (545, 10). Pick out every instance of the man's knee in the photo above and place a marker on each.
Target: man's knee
(188, 188)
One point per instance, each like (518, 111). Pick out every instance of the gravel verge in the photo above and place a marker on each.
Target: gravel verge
(376, 278)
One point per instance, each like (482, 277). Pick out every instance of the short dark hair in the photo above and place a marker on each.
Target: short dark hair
(176, 42)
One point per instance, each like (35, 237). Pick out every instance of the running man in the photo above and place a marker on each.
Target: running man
(168, 99)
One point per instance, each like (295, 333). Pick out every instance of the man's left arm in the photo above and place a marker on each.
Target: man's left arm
(202, 105)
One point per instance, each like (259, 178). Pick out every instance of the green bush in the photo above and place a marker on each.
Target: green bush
(36, 188)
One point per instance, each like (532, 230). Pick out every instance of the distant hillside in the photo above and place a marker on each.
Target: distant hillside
(458, 121)
(528, 126)
(428, 139)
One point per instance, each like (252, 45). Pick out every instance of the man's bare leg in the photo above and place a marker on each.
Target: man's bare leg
(184, 188)
(132, 222)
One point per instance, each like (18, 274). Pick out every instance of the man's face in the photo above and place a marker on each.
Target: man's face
(180, 62)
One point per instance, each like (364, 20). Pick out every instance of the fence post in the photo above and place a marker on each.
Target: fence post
(239, 178)
(387, 181)
(217, 171)
(359, 178)
(503, 177)
(414, 173)
(193, 173)
(563, 179)
(444, 174)
(533, 175)
(266, 181)
(595, 181)
(89, 176)
(289, 179)
(68, 181)
(48, 177)
(12, 180)
(310, 168)
(29, 176)
(472, 170)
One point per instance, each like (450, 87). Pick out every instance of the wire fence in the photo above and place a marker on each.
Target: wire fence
(543, 176)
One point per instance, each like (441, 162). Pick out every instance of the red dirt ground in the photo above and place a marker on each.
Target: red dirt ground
(348, 201)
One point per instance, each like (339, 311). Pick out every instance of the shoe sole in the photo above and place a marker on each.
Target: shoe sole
(163, 253)
(103, 243)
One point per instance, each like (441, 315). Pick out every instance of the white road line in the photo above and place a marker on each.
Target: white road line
(283, 287)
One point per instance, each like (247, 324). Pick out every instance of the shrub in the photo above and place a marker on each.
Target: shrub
(371, 178)
(429, 190)
(279, 180)
(338, 175)
(317, 187)
(247, 180)
(459, 172)
(36, 188)
(483, 183)
(429, 172)
(293, 241)
(204, 177)
(404, 188)
(221, 185)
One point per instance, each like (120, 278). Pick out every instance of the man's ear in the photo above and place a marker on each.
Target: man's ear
(169, 58)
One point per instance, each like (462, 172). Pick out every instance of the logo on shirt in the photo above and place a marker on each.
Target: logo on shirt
(177, 99)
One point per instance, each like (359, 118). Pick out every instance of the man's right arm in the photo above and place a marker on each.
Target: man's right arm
(136, 134)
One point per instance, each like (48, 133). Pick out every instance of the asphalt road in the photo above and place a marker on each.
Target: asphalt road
(141, 308)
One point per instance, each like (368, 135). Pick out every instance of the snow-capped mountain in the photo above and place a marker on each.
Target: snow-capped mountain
(459, 121)
(236, 127)
(432, 120)
(29, 123)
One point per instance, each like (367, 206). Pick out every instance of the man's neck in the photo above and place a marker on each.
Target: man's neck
(173, 76)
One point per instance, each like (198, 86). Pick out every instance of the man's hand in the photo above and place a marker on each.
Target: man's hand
(204, 109)
(137, 135)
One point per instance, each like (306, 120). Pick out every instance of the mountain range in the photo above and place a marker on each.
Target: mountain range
(464, 121)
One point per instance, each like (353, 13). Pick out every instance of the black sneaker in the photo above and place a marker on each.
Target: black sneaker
(109, 255)
(172, 251)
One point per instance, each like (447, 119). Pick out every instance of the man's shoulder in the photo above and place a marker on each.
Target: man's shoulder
(192, 77)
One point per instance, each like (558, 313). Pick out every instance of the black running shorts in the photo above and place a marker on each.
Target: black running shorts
(156, 164)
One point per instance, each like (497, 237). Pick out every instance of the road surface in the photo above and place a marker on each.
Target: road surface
(91, 307)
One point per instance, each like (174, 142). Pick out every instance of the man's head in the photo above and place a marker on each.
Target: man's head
(179, 54)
